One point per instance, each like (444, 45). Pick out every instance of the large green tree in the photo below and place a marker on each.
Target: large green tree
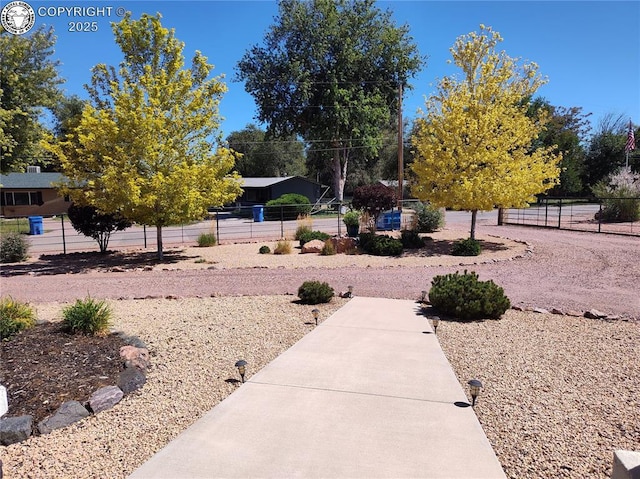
(567, 129)
(262, 156)
(147, 148)
(330, 71)
(606, 151)
(29, 83)
(474, 144)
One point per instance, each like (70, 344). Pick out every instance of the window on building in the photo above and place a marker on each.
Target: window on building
(22, 198)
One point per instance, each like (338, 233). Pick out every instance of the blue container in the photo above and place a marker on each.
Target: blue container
(258, 213)
(389, 221)
(35, 225)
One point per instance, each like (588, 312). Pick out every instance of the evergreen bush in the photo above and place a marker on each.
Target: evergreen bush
(287, 207)
(411, 239)
(428, 218)
(265, 249)
(13, 248)
(381, 245)
(14, 317)
(315, 292)
(463, 296)
(466, 247)
(87, 316)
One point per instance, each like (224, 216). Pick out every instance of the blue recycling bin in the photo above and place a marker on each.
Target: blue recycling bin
(258, 213)
(389, 221)
(35, 225)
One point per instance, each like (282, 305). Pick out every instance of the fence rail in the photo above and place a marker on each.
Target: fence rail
(245, 224)
(578, 214)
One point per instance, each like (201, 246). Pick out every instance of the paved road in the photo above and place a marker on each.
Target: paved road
(569, 270)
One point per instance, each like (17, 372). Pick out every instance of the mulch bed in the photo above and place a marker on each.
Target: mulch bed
(44, 366)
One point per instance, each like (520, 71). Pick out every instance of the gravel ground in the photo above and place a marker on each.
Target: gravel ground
(560, 391)
(194, 344)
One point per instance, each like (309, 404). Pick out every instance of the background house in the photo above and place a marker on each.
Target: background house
(257, 191)
(31, 194)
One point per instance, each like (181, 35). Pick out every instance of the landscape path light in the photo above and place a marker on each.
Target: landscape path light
(316, 313)
(423, 298)
(242, 368)
(435, 320)
(350, 289)
(474, 388)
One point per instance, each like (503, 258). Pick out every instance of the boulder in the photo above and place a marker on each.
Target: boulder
(15, 429)
(313, 246)
(343, 245)
(105, 398)
(594, 314)
(67, 414)
(131, 379)
(134, 357)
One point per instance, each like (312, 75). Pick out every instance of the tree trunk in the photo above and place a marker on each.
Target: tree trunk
(474, 214)
(339, 170)
(159, 237)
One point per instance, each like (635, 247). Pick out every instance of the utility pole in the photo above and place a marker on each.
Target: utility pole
(400, 149)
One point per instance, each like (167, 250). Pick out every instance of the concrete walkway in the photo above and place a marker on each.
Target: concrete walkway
(367, 394)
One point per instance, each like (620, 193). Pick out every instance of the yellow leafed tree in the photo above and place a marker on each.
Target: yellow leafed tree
(147, 147)
(473, 145)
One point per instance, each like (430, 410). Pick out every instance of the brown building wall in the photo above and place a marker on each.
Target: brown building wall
(52, 204)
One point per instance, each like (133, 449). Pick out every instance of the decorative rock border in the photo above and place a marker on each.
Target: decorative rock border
(135, 357)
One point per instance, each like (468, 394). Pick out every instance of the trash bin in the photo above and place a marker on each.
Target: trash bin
(258, 213)
(35, 225)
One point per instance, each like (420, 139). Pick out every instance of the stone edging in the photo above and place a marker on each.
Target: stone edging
(135, 357)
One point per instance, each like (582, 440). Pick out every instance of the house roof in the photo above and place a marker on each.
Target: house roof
(254, 182)
(29, 180)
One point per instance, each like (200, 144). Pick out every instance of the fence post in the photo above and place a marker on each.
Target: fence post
(600, 217)
(144, 231)
(282, 221)
(217, 228)
(64, 240)
(559, 213)
(339, 213)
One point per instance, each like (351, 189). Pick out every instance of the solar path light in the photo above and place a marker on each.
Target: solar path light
(350, 289)
(435, 321)
(316, 313)
(242, 367)
(474, 388)
(423, 298)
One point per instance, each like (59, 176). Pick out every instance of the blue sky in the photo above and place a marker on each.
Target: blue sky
(589, 50)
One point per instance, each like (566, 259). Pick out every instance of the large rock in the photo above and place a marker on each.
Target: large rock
(131, 379)
(105, 398)
(134, 357)
(342, 245)
(313, 246)
(67, 414)
(15, 429)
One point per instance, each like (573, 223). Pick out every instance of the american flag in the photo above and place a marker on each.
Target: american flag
(631, 140)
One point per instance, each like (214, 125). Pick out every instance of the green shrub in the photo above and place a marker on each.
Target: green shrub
(428, 217)
(313, 235)
(411, 239)
(315, 292)
(287, 207)
(14, 316)
(466, 247)
(264, 249)
(463, 296)
(87, 316)
(206, 239)
(302, 230)
(351, 218)
(380, 245)
(282, 247)
(328, 249)
(13, 248)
